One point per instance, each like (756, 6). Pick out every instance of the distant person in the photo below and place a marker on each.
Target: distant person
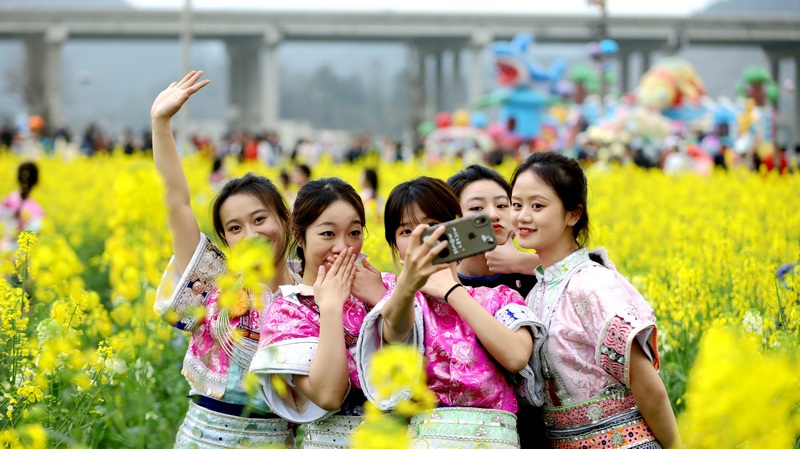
(283, 180)
(373, 202)
(301, 174)
(6, 137)
(18, 211)
(128, 145)
(218, 176)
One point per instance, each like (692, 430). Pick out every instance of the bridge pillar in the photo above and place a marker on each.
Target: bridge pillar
(416, 84)
(774, 65)
(456, 94)
(53, 41)
(43, 69)
(647, 60)
(478, 43)
(270, 91)
(438, 88)
(244, 84)
(427, 86)
(624, 68)
(775, 72)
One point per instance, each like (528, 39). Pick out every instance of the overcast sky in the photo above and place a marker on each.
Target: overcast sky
(626, 7)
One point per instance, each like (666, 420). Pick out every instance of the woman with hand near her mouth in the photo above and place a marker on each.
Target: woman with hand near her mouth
(305, 360)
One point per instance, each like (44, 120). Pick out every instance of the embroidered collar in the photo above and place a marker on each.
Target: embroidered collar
(559, 270)
(290, 292)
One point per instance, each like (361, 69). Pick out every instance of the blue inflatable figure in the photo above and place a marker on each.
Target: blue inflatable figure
(523, 108)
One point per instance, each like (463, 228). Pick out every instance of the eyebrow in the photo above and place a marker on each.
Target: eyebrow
(406, 224)
(532, 197)
(255, 212)
(474, 198)
(331, 223)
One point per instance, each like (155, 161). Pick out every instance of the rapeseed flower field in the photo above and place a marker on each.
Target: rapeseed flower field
(85, 362)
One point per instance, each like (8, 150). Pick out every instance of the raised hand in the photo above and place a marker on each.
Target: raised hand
(368, 284)
(332, 287)
(506, 258)
(171, 99)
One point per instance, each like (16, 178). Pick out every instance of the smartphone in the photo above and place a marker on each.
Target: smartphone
(465, 237)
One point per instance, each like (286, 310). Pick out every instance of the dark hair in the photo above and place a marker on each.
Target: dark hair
(259, 187)
(217, 164)
(304, 169)
(474, 173)
(284, 177)
(565, 176)
(27, 177)
(433, 197)
(312, 200)
(371, 176)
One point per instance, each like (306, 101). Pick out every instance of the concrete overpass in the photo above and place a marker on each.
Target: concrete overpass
(252, 39)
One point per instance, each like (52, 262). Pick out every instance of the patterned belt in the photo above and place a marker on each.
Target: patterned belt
(209, 429)
(466, 426)
(626, 430)
(332, 432)
(589, 412)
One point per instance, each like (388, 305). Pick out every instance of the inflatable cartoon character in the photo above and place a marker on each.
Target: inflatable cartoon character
(670, 83)
(523, 108)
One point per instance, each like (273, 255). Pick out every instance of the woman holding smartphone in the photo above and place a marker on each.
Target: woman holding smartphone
(473, 339)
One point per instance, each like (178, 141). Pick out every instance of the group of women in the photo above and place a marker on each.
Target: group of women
(549, 350)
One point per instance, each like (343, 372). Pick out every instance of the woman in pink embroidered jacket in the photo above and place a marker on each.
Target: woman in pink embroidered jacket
(601, 358)
(305, 358)
(221, 414)
(18, 211)
(473, 339)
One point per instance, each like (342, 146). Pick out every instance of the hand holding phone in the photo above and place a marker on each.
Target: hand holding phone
(465, 237)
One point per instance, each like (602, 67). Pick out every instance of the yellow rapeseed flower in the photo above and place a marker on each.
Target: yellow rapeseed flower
(728, 401)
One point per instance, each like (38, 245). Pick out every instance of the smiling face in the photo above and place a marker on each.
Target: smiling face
(539, 218)
(489, 197)
(243, 215)
(337, 228)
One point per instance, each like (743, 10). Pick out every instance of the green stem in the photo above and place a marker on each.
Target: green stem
(80, 401)
(18, 414)
(3, 406)
(75, 310)
(15, 344)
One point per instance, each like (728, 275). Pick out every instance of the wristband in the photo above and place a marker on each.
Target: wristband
(451, 291)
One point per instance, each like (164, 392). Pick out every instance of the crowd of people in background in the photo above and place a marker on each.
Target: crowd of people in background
(676, 153)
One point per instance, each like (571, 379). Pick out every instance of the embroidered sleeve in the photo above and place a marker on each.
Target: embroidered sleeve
(515, 316)
(613, 350)
(370, 341)
(181, 298)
